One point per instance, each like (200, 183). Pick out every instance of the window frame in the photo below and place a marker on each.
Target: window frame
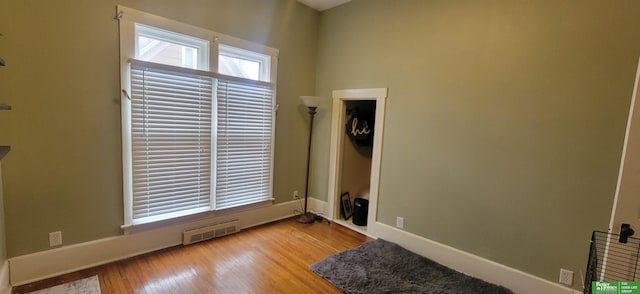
(128, 18)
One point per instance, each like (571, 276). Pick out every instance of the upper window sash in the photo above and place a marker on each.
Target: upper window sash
(244, 63)
(155, 44)
(128, 18)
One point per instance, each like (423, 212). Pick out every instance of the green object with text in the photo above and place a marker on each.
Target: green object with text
(615, 287)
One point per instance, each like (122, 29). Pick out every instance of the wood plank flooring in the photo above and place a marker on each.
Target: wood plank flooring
(272, 258)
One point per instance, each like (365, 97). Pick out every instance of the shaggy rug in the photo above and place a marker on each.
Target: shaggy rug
(383, 267)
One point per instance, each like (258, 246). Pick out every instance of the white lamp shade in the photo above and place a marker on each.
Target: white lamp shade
(311, 101)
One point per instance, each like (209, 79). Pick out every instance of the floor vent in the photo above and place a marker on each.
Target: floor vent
(209, 232)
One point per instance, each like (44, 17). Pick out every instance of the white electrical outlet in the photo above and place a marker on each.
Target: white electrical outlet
(566, 277)
(55, 238)
(295, 195)
(400, 222)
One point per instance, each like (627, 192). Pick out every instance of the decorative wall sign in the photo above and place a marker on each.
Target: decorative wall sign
(360, 123)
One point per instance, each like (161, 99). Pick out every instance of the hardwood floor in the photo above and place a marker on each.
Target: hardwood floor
(272, 258)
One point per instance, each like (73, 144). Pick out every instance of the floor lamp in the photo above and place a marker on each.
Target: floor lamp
(312, 103)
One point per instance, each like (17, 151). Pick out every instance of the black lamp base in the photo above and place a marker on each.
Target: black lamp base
(306, 218)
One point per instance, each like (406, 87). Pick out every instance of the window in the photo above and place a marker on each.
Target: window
(243, 63)
(198, 122)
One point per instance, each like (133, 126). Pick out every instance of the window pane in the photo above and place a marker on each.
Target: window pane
(189, 57)
(238, 67)
(171, 48)
(159, 51)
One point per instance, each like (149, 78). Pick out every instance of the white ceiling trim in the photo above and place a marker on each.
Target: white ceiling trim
(321, 5)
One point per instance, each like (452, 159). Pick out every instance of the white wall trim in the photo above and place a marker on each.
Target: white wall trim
(623, 158)
(473, 265)
(318, 207)
(46, 264)
(5, 286)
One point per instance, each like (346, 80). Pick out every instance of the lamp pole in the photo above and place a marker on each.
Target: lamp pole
(312, 103)
(305, 217)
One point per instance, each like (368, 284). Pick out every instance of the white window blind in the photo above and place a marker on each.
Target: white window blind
(171, 143)
(244, 142)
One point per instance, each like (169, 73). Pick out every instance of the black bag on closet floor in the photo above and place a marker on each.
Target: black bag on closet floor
(360, 211)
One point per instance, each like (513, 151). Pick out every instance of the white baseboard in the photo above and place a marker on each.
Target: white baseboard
(45, 264)
(5, 286)
(473, 265)
(318, 206)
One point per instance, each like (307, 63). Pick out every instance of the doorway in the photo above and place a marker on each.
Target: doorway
(344, 100)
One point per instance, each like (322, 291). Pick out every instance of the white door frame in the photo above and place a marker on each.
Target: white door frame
(626, 179)
(627, 158)
(337, 134)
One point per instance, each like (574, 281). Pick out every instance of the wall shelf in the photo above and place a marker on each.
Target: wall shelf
(4, 150)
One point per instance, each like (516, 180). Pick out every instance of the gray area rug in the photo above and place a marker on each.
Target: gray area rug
(383, 267)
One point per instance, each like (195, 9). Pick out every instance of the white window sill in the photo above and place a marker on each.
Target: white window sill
(135, 228)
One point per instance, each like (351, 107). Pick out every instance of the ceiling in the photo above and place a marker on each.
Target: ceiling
(321, 5)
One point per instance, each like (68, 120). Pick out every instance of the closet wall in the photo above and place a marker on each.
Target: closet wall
(356, 171)
(356, 159)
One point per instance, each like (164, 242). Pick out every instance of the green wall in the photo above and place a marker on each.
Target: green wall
(62, 79)
(504, 123)
(504, 128)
